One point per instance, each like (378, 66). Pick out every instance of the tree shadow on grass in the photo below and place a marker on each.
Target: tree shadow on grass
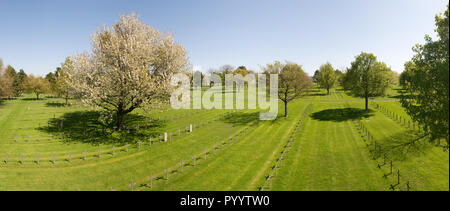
(341, 114)
(55, 104)
(85, 127)
(32, 99)
(316, 94)
(400, 146)
(241, 118)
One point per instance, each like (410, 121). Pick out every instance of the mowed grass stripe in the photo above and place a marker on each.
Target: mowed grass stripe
(230, 169)
(425, 167)
(327, 156)
(62, 149)
(113, 173)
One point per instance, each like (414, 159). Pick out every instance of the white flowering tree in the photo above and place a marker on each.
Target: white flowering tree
(130, 66)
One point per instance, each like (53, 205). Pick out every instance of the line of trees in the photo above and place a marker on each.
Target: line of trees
(365, 78)
(15, 84)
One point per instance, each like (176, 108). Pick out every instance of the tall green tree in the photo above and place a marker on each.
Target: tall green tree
(426, 82)
(20, 79)
(51, 78)
(6, 83)
(293, 82)
(37, 85)
(63, 81)
(327, 77)
(367, 77)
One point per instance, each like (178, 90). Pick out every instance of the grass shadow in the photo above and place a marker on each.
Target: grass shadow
(85, 127)
(241, 118)
(32, 99)
(55, 104)
(341, 114)
(316, 94)
(400, 146)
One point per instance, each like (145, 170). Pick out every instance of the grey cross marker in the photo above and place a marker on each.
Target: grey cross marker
(132, 185)
(151, 180)
(167, 174)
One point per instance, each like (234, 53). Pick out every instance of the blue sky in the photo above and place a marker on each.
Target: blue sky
(37, 35)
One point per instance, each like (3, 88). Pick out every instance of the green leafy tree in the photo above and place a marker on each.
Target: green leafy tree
(51, 78)
(367, 77)
(16, 85)
(37, 85)
(293, 82)
(340, 77)
(327, 77)
(6, 83)
(19, 80)
(406, 75)
(63, 81)
(426, 81)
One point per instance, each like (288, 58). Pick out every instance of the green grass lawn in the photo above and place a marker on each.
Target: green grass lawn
(328, 154)
(327, 151)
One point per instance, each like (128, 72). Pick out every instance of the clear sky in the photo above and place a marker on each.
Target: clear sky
(37, 35)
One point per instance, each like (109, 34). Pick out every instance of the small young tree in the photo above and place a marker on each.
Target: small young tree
(367, 77)
(130, 66)
(327, 77)
(37, 85)
(293, 82)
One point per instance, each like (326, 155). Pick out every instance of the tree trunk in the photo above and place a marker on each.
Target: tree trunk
(328, 91)
(120, 120)
(67, 101)
(285, 109)
(37, 96)
(367, 103)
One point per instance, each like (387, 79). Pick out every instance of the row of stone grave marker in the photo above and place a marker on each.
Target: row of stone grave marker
(167, 171)
(61, 125)
(27, 139)
(278, 163)
(167, 138)
(376, 152)
(398, 118)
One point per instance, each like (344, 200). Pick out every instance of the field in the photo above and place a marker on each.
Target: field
(326, 143)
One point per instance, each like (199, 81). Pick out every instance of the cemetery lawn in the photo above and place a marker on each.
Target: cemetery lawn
(327, 151)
